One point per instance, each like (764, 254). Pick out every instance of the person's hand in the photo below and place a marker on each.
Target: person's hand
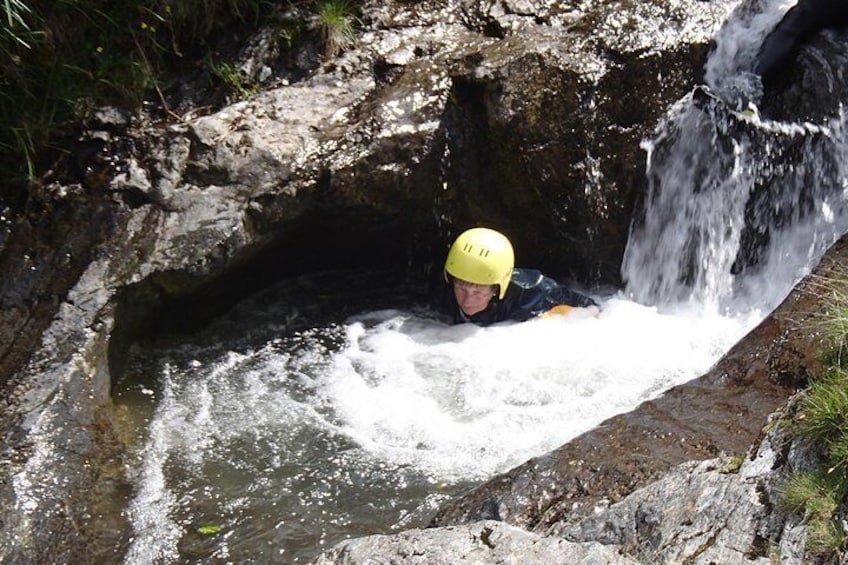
(573, 311)
(587, 311)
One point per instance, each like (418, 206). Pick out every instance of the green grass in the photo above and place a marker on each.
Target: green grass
(336, 22)
(817, 498)
(15, 28)
(822, 418)
(832, 324)
(240, 86)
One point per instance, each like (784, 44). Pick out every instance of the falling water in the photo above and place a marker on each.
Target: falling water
(738, 208)
(282, 430)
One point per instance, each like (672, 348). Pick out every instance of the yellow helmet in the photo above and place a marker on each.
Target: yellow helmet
(482, 256)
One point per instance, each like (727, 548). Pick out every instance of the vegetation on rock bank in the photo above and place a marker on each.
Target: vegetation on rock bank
(822, 418)
(60, 59)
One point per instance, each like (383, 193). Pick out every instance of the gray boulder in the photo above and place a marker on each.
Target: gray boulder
(486, 542)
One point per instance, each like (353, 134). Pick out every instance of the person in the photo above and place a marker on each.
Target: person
(798, 25)
(484, 287)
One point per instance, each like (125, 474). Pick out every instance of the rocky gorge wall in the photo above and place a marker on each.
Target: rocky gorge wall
(522, 115)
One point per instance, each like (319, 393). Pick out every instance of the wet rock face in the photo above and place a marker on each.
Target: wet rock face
(44, 252)
(526, 116)
(543, 139)
(536, 125)
(723, 510)
(811, 79)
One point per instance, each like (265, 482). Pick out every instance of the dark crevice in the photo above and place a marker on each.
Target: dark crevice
(179, 303)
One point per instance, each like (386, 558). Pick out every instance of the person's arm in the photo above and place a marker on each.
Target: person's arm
(542, 295)
(564, 295)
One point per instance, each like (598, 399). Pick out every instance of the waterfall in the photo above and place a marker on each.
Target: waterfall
(737, 208)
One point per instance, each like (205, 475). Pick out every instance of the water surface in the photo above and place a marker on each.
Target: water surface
(279, 432)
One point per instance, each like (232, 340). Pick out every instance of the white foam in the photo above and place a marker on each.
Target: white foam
(464, 402)
(737, 43)
(449, 403)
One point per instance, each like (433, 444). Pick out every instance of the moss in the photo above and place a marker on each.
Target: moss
(732, 464)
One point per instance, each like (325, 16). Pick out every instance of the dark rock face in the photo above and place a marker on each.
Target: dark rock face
(538, 128)
(555, 149)
(721, 510)
(44, 252)
(811, 79)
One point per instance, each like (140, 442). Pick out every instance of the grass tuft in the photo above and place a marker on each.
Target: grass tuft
(239, 85)
(831, 292)
(16, 28)
(817, 498)
(336, 22)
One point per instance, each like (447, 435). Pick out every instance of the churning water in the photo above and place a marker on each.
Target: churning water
(274, 445)
(277, 433)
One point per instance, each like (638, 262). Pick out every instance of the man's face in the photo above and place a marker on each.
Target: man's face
(472, 298)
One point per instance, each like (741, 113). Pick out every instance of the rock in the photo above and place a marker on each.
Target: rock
(724, 510)
(695, 514)
(718, 510)
(487, 542)
(810, 81)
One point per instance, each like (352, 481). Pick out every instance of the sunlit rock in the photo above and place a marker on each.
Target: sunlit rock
(481, 542)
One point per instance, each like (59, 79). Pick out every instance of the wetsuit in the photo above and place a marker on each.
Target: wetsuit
(800, 23)
(529, 294)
